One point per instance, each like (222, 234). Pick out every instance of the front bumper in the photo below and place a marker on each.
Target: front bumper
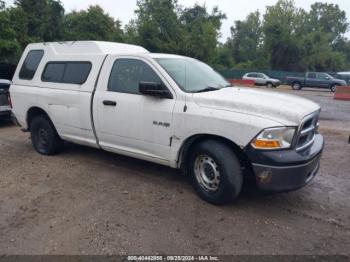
(286, 170)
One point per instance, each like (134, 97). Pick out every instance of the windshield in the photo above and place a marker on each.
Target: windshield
(192, 75)
(331, 77)
(325, 76)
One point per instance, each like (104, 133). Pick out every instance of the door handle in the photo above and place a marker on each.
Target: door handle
(109, 103)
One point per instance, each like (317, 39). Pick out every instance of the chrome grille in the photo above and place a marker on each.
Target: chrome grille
(307, 131)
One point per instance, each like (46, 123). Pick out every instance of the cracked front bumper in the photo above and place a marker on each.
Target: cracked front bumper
(286, 170)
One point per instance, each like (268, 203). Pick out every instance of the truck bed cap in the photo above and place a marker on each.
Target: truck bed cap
(89, 47)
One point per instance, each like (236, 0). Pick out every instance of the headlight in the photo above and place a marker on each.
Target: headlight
(274, 138)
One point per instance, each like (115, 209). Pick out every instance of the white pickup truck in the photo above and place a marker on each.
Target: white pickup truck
(168, 109)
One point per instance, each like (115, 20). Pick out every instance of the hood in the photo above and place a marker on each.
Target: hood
(283, 108)
(340, 81)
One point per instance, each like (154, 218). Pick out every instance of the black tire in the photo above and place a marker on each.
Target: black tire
(296, 86)
(334, 88)
(269, 85)
(44, 136)
(227, 164)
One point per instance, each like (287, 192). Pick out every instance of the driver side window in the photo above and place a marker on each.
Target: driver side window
(127, 73)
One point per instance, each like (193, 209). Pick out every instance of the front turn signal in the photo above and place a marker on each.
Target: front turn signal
(268, 144)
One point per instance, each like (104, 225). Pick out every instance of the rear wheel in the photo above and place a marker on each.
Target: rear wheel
(296, 86)
(215, 172)
(333, 88)
(45, 139)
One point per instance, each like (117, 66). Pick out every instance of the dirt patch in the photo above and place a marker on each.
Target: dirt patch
(86, 201)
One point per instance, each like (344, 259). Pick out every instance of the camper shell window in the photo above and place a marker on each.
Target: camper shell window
(30, 64)
(66, 72)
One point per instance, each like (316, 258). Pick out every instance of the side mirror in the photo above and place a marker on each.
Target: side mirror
(154, 89)
(327, 78)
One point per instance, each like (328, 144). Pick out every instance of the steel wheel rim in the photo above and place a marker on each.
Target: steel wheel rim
(43, 137)
(207, 173)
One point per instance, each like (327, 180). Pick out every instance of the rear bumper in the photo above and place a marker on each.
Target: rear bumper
(276, 84)
(286, 170)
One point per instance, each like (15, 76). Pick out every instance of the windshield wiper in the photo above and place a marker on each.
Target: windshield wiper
(207, 89)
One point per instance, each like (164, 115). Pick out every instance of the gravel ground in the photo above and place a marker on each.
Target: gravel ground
(85, 201)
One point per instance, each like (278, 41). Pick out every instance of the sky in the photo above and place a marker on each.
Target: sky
(234, 10)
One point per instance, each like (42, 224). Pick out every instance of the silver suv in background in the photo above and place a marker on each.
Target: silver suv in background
(262, 79)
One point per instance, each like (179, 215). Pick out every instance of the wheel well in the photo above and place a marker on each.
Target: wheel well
(34, 112)
(196, 139)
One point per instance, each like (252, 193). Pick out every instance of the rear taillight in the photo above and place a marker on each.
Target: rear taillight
(9, 99)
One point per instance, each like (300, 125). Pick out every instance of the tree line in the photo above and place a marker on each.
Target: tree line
(283, 38)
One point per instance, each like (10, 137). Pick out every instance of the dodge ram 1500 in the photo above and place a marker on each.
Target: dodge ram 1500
(168, 109)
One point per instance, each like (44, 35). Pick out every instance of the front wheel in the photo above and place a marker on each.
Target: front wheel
(270, 85)
(333, 88)
(45, 139)
(215, 172)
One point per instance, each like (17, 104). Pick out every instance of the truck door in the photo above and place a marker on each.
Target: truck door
(127, 121)
(311, 80)
(324, 80)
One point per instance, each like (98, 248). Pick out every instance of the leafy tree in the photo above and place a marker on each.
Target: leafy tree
(246, 39)
(20, 26)
(292, 39)
(282, 39)
(343, 47)
(163, 26)
(157, 26)
(319, 55)
(202, 32)
(43, 17)
(328, 18)
(55, 14)
(92, 24)
(285, 38)
(131, 33)
(223, 58)
(9, 47)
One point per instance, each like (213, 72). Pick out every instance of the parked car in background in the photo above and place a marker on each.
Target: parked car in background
(262, 79)
(315, 79)
(168, 109)
(5, 107)
(344, 76)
